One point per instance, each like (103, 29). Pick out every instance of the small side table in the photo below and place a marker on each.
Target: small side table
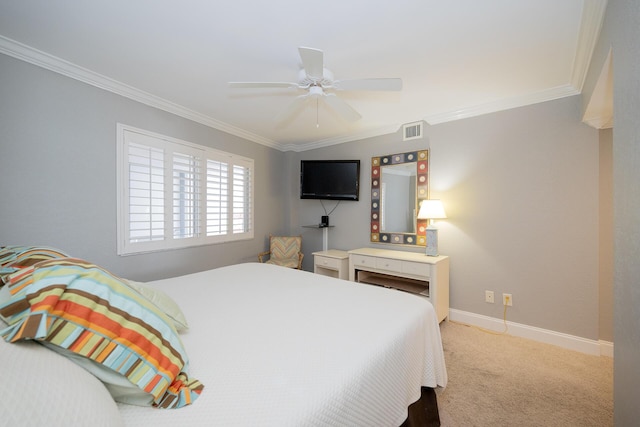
(332, 262)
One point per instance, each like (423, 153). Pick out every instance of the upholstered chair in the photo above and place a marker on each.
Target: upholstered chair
(285, 251)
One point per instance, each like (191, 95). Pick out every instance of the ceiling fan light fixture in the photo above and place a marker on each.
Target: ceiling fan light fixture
(316, 91)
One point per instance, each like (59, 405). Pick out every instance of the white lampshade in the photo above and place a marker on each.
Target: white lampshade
(431, 209)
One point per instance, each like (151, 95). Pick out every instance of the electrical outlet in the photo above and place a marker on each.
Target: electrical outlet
(488, 296)
(507, 299)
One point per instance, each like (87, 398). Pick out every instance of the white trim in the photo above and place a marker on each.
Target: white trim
(606, 348)
(44, 60)
(599, 111)
(592, 19)
(385, 130)
(504, 104)
(571, 342)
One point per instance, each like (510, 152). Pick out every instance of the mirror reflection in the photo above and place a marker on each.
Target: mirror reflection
(398, 198)
(399, 182)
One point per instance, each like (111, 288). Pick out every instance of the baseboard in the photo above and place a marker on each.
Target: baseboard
(606, 348)
(571, 342)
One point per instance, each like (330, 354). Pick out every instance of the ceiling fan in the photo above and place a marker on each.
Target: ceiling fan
(319, 84)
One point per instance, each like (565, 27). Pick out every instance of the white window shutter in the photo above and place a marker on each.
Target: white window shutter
(174, 194)
(146, 193)
(242, 191)
(217, 198)
(185, 196)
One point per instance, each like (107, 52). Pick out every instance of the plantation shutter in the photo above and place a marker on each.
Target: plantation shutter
(217, 198)
(174, 194)
(242, 209)
(186, 195)
(146, 193)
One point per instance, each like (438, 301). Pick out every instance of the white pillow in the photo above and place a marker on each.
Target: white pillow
(41, 387)
(163, 302)
(121, 389)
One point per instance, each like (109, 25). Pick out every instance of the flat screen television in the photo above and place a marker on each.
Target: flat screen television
(330, 179)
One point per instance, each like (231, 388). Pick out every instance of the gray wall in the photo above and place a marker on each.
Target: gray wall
(621, 32)
(606, 235)
(520, 188)
(58, 158)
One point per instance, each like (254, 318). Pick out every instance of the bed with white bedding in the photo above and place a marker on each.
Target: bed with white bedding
(277, 347)
(281, 347)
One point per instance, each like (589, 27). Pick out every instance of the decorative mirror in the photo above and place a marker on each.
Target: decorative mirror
(399, 183)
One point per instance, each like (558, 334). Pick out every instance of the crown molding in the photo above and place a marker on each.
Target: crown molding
(592, 19)
(599, 110)
(503, 104)
(52, 63)
(342, 139)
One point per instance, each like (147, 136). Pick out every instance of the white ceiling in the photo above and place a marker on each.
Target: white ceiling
(456, 58)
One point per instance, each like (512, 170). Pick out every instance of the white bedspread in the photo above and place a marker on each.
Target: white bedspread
(281, 347)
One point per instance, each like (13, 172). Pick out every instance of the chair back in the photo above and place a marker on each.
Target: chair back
(285, 247)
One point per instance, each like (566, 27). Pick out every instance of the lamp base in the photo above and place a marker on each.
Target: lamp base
(432, 241)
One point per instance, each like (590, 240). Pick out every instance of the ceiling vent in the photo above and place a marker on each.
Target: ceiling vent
(412, 131)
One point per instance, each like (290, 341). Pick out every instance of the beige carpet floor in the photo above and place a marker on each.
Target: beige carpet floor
(502, 380)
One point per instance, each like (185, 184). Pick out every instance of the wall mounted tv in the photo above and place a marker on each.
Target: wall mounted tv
(330, 179)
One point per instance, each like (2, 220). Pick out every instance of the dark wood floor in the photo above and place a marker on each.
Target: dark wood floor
(424, 412)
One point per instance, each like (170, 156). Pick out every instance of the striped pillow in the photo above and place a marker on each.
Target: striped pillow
(82, 308)
(13, 258)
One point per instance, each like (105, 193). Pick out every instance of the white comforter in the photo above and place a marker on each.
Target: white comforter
(281, 347)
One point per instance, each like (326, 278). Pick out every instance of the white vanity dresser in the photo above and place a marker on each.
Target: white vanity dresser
(399, 184)
(407, 271)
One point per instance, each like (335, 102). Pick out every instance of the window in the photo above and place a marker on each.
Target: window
(174, 194)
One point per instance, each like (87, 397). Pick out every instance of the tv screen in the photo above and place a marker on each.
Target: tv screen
(330, 179)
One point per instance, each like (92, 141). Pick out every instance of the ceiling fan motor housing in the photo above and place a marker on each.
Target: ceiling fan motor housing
(326, 81)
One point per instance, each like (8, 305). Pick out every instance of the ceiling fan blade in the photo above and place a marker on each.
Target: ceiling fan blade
(312, 61)
(262, 84)
(369, 84)
(342, 108)
(293, 109)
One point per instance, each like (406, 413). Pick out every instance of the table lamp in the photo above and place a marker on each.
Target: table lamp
(431, 209)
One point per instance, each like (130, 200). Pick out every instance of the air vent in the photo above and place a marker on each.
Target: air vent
(412, 131)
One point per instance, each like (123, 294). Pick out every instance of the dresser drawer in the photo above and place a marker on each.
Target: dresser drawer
(406, 271)
(327, 262)
(416, 268)
(364, 261)
(389, 264)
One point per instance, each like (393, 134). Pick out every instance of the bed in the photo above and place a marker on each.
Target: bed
(272, 346)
